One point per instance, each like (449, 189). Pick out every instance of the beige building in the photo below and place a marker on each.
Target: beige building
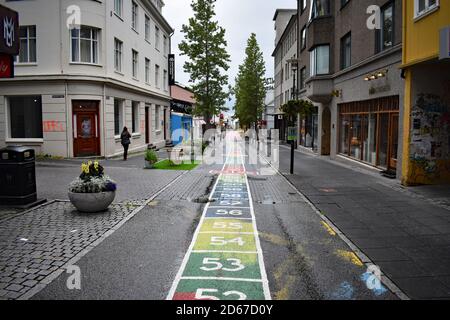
(87, 69)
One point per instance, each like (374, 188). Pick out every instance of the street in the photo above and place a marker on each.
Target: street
(262, 240)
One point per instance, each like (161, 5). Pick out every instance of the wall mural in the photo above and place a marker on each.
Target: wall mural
(430, 140)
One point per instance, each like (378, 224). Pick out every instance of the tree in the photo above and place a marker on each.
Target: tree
(250, 87)
(205, 45)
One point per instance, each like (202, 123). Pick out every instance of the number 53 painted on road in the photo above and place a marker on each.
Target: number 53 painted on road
(216, 265)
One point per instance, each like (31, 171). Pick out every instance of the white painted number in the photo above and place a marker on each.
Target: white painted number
(230, 225)
(200, 294)
(216, 265)
(221, 241)
(223, 212)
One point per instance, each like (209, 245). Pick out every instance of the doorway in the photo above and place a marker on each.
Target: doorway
(165, 124)
(86, 128)
(147, 125)
(393, 139)
(326, 132)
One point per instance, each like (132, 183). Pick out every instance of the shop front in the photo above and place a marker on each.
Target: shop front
(369, 131)
(309, 131)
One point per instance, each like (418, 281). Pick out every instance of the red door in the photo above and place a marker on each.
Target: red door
(86, 129)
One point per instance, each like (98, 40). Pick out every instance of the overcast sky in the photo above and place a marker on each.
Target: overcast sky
(239, 18)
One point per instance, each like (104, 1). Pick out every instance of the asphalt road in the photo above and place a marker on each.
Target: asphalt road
(303, 258)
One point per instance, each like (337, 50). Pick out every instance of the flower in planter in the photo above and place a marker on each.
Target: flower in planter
(92, 180)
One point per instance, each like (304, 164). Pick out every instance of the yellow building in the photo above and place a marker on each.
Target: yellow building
(426, 68)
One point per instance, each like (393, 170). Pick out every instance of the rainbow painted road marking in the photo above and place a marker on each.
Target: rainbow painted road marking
(225, 260)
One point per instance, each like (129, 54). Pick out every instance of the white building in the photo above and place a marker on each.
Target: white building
(285, 49)
(75, 89)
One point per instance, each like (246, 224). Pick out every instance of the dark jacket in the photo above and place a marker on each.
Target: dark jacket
(125, 138)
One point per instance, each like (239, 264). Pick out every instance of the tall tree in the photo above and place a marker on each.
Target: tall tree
(205, 45)
(250, 87)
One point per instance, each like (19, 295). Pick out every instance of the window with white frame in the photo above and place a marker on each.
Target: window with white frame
(118, 7)
(422, 7)
(165, 46)
(135, 63)
(147, 28)
(157, 40)
(134, 15)
(135, 116)
(118, 47)
(147, 71)
(157, 76)
(25, 117)
(85, 45)
(157, 117)
(165, 80)
(27, 52)
(118, 116)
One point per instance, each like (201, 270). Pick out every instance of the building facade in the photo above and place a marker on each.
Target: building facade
(86, 70)
(181, 119)
(426, 66)
(351, 71)
(285, 48)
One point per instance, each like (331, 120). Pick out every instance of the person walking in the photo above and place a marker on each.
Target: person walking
(125, 140)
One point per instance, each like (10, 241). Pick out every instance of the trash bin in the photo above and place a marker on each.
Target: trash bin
(17, 176)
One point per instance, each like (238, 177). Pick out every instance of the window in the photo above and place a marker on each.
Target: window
(85, 45)
(165, 46)
(118, 46)
(27, 52)
(147, 28)
(157, 117)
(25, 115)
(303, 78)
(135, 63)
(157, 37)
(135, 116)
(319, 8)
(165, 80)
(147, 71)
(134, 15)
(118, 116)
(422, 7)
(346, 51)
(157, 76)
(118, 6)
(385, 36)
(304, 4)
(344, 2)
(320, 60)
(303, 38)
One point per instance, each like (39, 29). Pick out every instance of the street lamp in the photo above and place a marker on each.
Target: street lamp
(294, 66)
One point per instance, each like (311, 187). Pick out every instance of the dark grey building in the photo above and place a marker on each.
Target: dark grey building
(349, 68)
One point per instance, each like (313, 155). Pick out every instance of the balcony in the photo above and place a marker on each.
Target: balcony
(319, 89)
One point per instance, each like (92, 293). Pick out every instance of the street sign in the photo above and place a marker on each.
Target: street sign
(171, 69)
(444, 43)
(6, 66)
(292, 133)
(9, 31)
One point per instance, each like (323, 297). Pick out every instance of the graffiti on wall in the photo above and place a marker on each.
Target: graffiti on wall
(53, 126)
(430, 136)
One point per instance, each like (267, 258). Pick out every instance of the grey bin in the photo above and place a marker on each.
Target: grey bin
(17, 176)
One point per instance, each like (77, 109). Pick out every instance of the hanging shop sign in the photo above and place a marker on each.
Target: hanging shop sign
(9, 31)
(445, 43)
(171, 69)
(6, 66)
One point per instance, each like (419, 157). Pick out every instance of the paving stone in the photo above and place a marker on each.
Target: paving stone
(14, 287)
(30, 283)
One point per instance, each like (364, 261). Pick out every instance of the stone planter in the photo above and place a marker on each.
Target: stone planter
(148, 165)
(92, 202)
